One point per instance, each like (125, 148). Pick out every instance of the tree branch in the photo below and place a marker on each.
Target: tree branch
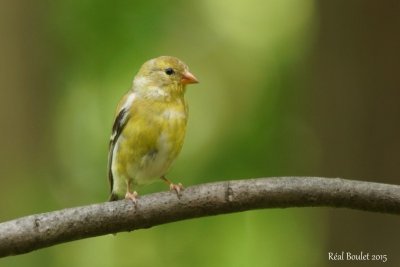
(43, 230)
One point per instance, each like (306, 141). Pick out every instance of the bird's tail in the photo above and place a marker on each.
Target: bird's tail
(113, 197)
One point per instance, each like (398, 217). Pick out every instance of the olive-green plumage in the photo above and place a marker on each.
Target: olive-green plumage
(149, 127)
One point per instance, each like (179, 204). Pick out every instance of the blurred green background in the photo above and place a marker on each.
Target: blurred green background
(287, 88)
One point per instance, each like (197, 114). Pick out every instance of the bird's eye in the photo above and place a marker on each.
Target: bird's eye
(169, 71)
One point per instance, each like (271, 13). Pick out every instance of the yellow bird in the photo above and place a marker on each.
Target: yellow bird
(149, 127)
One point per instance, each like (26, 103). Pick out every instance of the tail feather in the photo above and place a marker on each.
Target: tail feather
(113, 197)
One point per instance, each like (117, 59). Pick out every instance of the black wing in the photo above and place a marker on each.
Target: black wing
(118, 126)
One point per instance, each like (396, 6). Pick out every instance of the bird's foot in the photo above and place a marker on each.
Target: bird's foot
(176, 187)
(173, 187)
(131, 196)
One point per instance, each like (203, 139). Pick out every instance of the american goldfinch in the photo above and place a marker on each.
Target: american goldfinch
(149, 127)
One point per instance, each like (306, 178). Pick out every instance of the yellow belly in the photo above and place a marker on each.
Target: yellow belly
(149, 144)
(156, 162)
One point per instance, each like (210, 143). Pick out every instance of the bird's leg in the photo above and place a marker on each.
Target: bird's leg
(175, 187)
(129, 194)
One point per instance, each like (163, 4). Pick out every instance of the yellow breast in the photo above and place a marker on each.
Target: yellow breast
(151, 140)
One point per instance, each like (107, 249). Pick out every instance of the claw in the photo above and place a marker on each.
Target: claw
(173, 187)
(131, 196)
(176, 187)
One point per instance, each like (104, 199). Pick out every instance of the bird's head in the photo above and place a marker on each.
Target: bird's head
(163, 75)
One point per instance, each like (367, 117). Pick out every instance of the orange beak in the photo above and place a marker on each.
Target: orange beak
(187, 78)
